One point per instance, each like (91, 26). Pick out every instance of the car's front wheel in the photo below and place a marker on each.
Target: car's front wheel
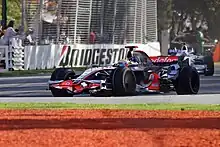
(61, 74)
(123, 82)
(188, 81)
(210, 66)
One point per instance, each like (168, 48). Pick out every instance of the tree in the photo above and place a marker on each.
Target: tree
(14, 11)
(198, 10)
(164, 9)
(211, 13)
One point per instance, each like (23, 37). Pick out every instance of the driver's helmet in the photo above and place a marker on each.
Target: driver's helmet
(184, 47)
(134, 59)
(191, 50)
(123, 63)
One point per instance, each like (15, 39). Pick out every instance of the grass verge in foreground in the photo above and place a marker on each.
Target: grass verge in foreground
(32, 72)
(109, 106)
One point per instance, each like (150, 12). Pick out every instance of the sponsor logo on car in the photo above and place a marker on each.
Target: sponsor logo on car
(165, 59)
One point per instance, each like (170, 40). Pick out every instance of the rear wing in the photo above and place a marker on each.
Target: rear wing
(164, 60)
(160, 60)
(131, 47)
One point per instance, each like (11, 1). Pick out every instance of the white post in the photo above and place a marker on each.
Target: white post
(40, 26)
(102, 18)
(7, 58)
(135, 21)
(145, 27)
(58, 20)
(142, 19)
(76, 20)
(115, 11)
(23, 3)
(164, 42)
(90, 17)
(126, 19)
(156, 19)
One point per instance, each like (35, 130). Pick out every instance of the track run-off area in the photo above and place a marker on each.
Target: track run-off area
(34, 89)
(107, 128)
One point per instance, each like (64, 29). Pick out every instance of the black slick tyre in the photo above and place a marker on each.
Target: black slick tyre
(208, 60)
(188, 81)
(123, 82)
(61, 74)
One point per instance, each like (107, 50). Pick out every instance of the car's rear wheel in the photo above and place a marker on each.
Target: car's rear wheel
(123, 82)
(188, 81)
(61, 74)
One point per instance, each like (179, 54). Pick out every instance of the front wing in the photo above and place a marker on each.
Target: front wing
(88, 87)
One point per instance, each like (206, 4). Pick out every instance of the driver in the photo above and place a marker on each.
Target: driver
(184, 51)
(130, 56)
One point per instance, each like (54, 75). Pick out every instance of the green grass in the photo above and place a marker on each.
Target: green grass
(25, 73)
(31, 72)
(105, 106)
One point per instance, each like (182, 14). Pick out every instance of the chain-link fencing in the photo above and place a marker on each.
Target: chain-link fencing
(92, 21)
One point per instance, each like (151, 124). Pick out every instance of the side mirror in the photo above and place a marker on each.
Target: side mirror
(97, 74)
(150, 71)
(100, 74)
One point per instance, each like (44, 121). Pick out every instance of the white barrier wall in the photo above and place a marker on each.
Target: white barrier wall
(12, 55)
(4, 53)
(151, 48)
(79, 55)
(41, 57)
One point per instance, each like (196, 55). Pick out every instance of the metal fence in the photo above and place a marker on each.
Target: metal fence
(112, 21)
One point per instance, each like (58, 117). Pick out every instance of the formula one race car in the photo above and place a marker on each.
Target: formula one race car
(135, 75)
(200, 53)
(203, 64)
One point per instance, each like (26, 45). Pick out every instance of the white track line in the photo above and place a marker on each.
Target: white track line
(175, 99)
(132, 97)
(27, 77)
(22, 85)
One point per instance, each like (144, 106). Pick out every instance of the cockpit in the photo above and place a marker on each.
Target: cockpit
(138, 56)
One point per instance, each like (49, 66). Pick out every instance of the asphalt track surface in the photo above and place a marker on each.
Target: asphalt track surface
(33, 89)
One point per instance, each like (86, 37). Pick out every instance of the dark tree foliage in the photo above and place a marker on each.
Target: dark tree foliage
(173, 13)
(13, 11)
(164, 10)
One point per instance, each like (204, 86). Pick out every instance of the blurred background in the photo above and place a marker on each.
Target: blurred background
(105, 21)
(113, 21)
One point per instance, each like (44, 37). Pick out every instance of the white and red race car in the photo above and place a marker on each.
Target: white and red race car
(137, 74)
(203, 64)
